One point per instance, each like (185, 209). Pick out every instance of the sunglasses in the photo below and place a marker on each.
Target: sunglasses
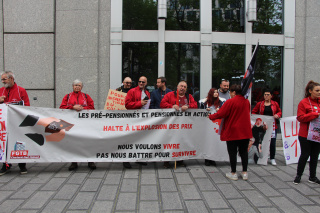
(142, 82)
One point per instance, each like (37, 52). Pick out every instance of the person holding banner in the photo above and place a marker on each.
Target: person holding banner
(178, 100)
(308, 110)
(271, 108)
(138, 98)
(11, 93)
(212, 103)
(236, 129)
(78, 101)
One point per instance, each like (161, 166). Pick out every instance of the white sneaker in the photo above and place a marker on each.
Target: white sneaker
(232, 176)
(244, 176)
(273, 162)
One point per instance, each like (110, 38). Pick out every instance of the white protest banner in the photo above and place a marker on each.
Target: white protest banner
(314, 130)
(115, 100)
(55, 135)
(289, 130)
(262, 128)
(3, 132)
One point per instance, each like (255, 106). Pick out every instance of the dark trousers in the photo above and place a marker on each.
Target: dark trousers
(233, 147)
(21, 165)
(308, 149)
(273, 144)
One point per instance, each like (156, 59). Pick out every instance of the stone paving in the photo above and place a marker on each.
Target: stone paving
(196, 188)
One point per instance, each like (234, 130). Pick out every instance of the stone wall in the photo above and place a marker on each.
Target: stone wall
(50, 43)
(307, 46)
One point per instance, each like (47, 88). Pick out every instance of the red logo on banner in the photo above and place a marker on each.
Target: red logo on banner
(19, 153)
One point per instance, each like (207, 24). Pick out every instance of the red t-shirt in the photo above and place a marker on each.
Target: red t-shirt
(183, 101)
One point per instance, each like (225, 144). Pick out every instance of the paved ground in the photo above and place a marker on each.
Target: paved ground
(196, 188)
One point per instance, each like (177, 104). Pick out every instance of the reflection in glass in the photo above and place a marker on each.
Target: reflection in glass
(183, 15)
(140, 15)
(228, 15)
(269, 17)
(183, 63)
(140, 59)
(228, 62)
(268, 73)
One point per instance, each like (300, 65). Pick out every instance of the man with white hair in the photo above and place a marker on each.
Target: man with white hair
(11, 93)
(137, 98)
(78, 101)
(178, 100)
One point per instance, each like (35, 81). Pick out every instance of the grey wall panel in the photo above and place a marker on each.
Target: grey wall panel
(69, 69)
(299, 84)
(44, 98)
(77, 33)
(77, 5)
(77, 47)
(312, 39)
(31, 58)
(1, 38)
(104, 56)
(300, 8)
(313, 7)
(105, 5)
(300, 39)
(28, 16)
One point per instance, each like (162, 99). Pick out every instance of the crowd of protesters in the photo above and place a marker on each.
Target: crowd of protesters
(225, 103)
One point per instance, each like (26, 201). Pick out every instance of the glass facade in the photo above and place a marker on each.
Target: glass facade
(228, 62)
(269, 17)
(183, 15)
(228, 15)
(183, 63)
(185, 55)
(140, 59)
(140, 15)
(268, 74)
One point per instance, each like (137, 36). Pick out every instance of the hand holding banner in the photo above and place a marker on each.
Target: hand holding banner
(314, 130)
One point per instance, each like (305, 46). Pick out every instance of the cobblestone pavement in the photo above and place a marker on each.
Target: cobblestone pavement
(195, 188)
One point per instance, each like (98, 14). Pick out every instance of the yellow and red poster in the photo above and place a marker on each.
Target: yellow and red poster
(115, 100)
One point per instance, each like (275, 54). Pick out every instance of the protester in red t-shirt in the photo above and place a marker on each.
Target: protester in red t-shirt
(11, 93)
(178, 100)
(308, 110)
(78, 101)
(236, 129)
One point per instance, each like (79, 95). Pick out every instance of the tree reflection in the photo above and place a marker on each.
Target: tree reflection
(228, 15)
(140, 59)
(268, 73)
(140, 15)
(269, 17)
(183, 63)
(183, 15)
(227, 63)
